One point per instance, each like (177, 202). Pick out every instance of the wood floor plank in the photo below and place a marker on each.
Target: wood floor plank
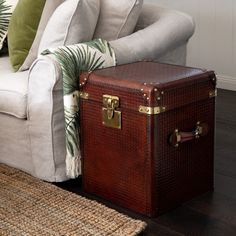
(155, 229)
(225, 106)
(225, 185)
(215, 205)
(225, 150)
(191, 222)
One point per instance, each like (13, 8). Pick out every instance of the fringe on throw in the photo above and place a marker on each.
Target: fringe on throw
(73, 166)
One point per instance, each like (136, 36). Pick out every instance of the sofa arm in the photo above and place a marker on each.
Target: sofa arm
(45, 85)
(46, 119)
(46, 116)
(159, 31)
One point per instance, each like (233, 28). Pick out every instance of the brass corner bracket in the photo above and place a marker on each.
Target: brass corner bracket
(84, 95)
(151, 110)
(213, 93)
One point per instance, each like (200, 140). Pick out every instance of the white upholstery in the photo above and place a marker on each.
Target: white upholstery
(117, 18)
(46, 120)
(48, 10)
(13, 90)
(35, 143)
(158, 31)
(74, 21)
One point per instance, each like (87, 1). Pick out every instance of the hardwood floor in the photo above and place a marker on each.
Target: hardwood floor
(212, 214)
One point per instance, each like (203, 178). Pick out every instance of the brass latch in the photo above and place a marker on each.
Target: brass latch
(110, 116)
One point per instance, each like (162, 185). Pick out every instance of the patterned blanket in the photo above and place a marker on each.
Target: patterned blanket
(75, 59)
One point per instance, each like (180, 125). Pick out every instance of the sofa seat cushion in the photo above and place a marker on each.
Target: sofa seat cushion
(13, 90)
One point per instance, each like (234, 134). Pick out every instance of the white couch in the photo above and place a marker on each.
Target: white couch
(32, 136)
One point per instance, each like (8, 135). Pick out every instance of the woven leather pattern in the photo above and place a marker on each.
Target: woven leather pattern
(186, 171)
(116, 163)
(136, 167)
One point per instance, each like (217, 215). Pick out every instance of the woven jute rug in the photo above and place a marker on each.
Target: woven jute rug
(31, 207)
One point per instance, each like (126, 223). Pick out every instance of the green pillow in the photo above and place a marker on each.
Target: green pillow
(22, 30)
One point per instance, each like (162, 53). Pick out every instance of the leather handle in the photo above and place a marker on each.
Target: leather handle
(178, 137)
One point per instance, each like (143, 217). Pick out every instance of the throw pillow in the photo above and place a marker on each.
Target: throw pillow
(74, 21)
(117, 18)
(22, 29)
(6, 8)
(48, 10)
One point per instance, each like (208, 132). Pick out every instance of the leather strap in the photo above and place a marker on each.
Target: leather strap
(178, 137)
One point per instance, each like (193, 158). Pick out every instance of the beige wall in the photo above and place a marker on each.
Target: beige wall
(213, 45)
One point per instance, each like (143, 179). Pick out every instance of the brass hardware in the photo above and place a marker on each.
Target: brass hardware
(110, 116)
(84, 95)
(178, 137)
(151, 110)
(213, 93)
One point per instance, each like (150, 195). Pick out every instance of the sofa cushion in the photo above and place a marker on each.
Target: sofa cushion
(13, 90)
(117, 18)
(22, 30)
(49, 8)
(74, 21)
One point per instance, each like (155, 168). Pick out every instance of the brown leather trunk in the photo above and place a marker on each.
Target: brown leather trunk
(152, 149)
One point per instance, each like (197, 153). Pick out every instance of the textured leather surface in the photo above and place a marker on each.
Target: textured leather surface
(150, 72)
(187, 171)
(142, 83)
(136, 167)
